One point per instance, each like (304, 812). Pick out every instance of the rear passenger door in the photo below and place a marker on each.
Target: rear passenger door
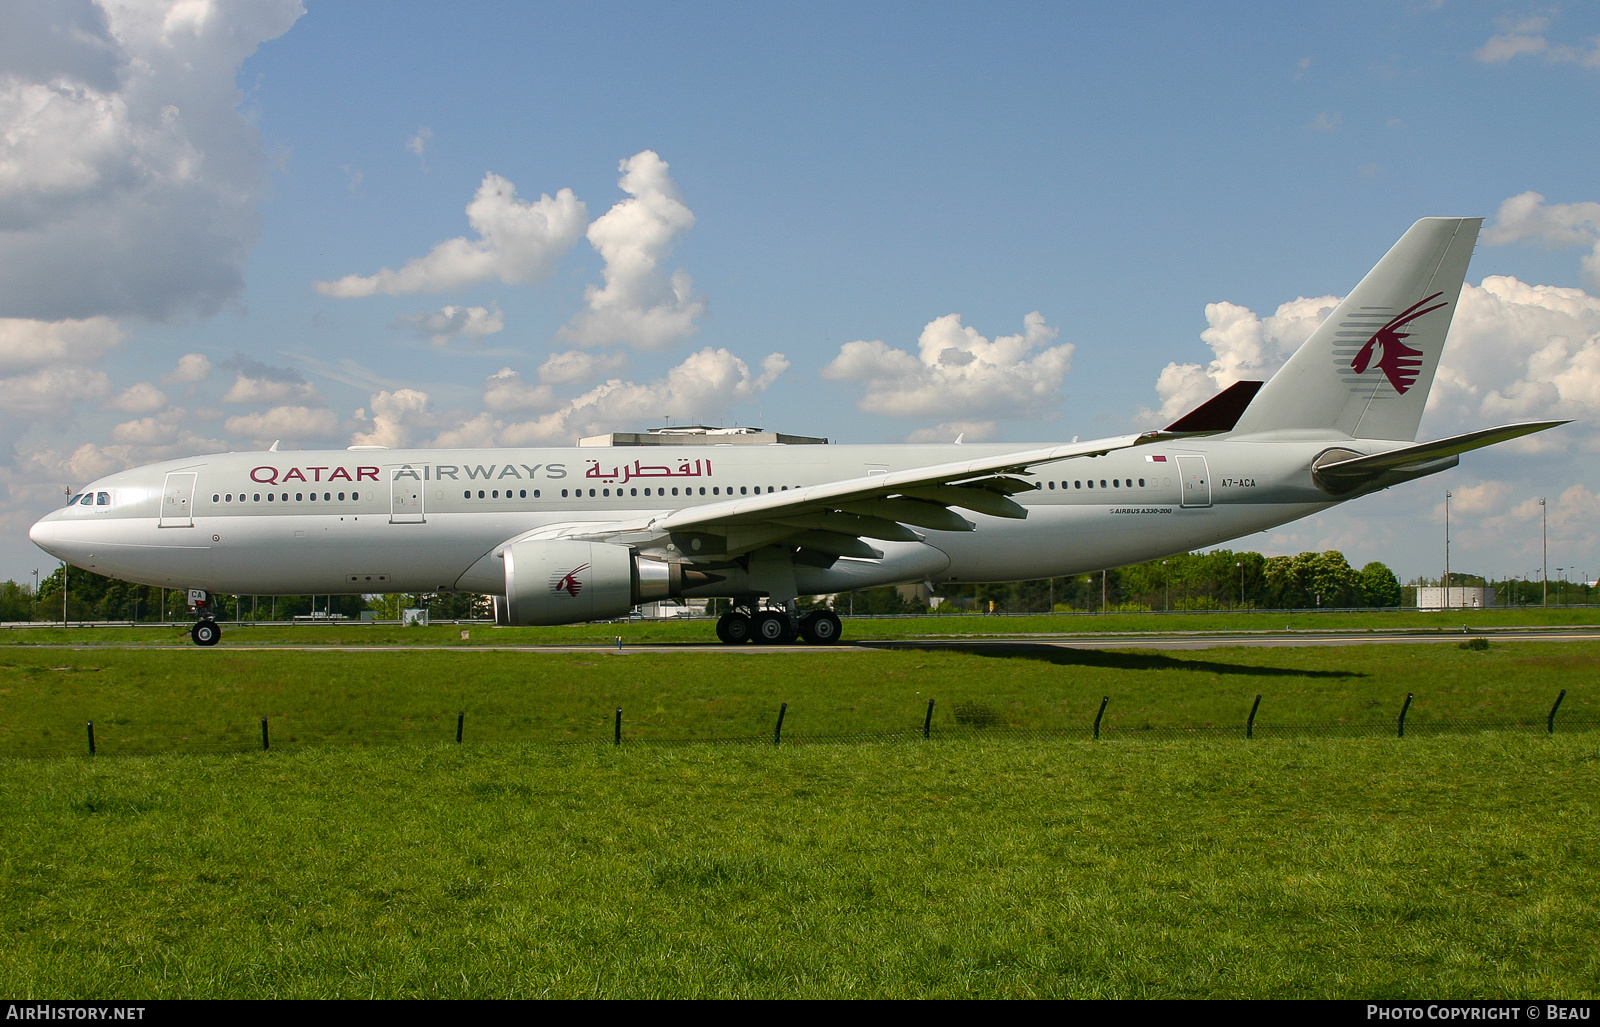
(1196, 479)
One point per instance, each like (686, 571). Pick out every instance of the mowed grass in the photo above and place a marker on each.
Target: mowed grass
(193, 700)
(1459, 866)
(855, 628)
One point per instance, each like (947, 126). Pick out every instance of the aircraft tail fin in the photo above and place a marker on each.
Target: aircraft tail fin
(1367, 369)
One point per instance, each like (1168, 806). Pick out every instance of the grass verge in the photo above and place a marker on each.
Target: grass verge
(149, 701)
(1439, 867)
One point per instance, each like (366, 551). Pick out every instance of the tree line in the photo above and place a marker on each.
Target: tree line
(1218, 580)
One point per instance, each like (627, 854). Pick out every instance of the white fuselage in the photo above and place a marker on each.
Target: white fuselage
(430, 520)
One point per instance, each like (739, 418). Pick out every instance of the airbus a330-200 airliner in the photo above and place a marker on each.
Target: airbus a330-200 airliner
(558, 536)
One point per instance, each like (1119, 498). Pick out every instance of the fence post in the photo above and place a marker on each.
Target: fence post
(927, 722)
(1250, 725)
(461, 719)
(1097, 716)
(1550, 722)
(616, 738)
(1403, 710)
(91, 735)
(777, 732)
(264, 745)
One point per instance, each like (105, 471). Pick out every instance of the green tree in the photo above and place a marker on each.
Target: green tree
(16, 601)
(1379, 586)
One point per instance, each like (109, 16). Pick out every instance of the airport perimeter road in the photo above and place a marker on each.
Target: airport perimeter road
(1151, 640)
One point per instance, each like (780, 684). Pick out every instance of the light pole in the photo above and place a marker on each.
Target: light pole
(1544, 551)
(1241, 584)
(1448, 604)
(1168, 575)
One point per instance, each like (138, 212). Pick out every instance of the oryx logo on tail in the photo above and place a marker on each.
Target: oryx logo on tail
(1399, 362)
(569, 583)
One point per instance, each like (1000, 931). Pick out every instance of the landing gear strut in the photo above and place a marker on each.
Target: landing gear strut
(778, 627)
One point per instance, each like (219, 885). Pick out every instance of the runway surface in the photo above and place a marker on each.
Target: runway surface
(1158, 641)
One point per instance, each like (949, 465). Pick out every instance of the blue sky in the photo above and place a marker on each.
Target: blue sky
(1174, 190)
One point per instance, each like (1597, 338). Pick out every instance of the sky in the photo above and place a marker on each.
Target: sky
(478, 224)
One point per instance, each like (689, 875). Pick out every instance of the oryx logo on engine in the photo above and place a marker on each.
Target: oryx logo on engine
(1398, 362)
(569, 583)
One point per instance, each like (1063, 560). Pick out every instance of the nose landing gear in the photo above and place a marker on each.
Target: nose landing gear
(205, 632)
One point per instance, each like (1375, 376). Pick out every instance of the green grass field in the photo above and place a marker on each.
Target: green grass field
(368, 855)
(1437, 867)
(856, 628)
(193, 700)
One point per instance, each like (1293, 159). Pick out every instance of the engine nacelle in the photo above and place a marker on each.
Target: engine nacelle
(564, 582)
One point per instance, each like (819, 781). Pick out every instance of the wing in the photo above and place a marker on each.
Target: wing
(836, 517)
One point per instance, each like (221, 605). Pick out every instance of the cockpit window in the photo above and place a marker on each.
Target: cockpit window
(74, 499)
(102, 499)
(88, 499)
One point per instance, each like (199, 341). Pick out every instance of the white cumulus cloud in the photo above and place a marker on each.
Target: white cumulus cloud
(128, 181)
(1245, 347)
(506, 392)
(640, 304)
(452, 322)
(577, 366)
(1515, 352)
(266, 390)
(26, 343)
(1520, 352)
(396, 415)
(958, 371)
(192, 367)
(51, 392)
(519, 242)
(1526, 37)
(299, 423)
(703, 386)
(1526, 218)
(140, 398)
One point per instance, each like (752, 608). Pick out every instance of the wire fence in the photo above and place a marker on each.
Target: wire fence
(962, 720)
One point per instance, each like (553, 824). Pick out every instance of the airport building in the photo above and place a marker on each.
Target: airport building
(1454, 598)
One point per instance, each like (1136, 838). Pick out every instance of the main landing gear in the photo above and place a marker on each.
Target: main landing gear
(778, 627)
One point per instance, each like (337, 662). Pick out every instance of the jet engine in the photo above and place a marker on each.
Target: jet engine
(564, 582)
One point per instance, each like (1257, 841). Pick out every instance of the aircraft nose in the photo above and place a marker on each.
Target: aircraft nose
(44, 535)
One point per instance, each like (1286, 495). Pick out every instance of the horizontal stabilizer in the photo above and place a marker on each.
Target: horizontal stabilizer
(1219, 413)
(1344, 475)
